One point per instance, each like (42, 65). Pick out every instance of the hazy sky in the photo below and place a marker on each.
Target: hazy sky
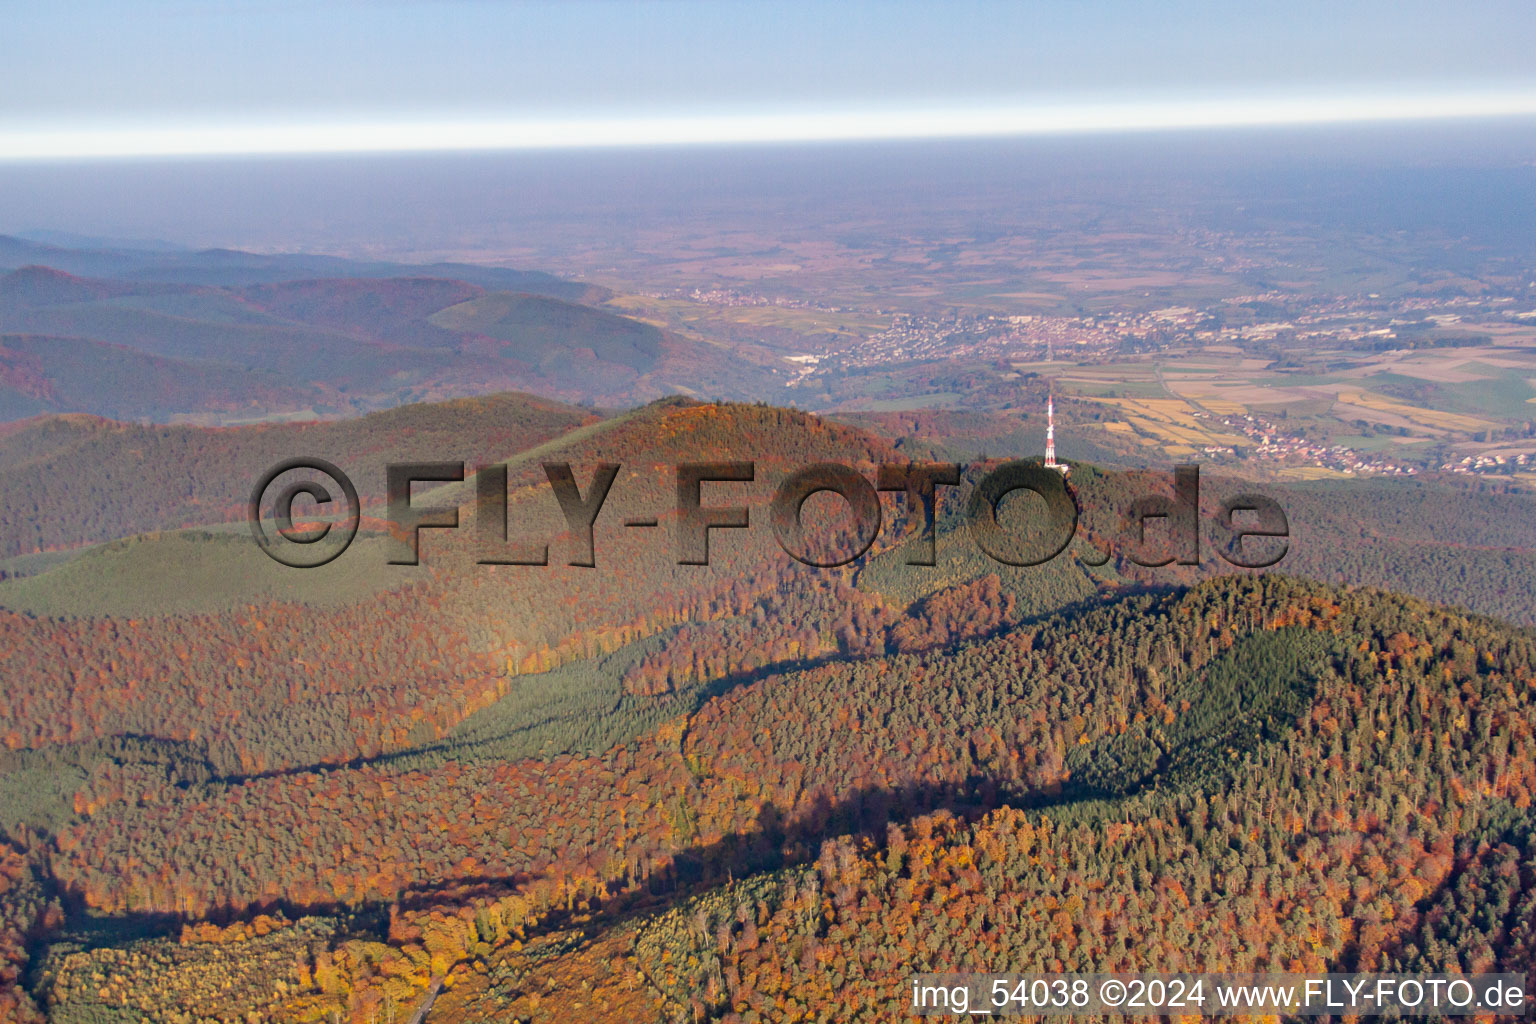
(68, 68)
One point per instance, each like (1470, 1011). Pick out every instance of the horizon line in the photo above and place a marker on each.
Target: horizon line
(18, 145)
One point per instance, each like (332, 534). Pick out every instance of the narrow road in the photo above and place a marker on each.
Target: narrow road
(426, 1004)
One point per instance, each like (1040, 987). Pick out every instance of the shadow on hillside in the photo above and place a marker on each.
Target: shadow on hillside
(684, 701)
(779, 840)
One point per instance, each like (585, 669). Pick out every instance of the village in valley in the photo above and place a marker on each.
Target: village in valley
(1336, 386)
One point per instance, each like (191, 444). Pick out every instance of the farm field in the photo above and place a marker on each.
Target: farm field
(1381, 403)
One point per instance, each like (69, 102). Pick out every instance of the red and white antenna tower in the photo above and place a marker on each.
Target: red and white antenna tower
(1050, 435)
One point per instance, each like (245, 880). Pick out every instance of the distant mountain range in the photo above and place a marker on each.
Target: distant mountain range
(230, 268)
(221, 336)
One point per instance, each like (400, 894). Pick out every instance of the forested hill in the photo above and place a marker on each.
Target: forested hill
(70, 481)
(1347, 788)
(1306, 778)
(66, 481)
(233, 788)
(227, 337)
